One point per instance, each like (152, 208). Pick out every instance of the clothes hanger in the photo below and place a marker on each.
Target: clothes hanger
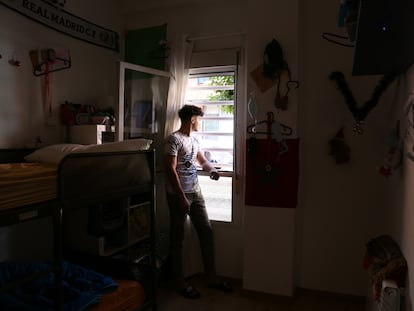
(284, 129)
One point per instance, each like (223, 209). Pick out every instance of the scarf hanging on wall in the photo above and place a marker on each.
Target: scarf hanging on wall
(361, 112)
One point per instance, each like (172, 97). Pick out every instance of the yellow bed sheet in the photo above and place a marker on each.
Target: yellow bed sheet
(26, 183)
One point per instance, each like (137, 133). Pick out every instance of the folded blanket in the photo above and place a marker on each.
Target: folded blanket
(82, 287)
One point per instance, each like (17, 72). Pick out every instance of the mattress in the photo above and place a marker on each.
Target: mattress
(129, 296)
(26, 183)
(84, 177)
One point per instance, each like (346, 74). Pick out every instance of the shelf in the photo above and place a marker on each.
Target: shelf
(138, 205)
(139, 221)
(134, 229)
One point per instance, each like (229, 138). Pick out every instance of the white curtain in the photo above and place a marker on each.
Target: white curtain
(180, 58)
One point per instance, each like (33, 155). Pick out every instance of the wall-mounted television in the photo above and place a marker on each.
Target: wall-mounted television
(384, 41)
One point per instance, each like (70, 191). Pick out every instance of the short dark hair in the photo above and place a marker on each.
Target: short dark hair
(189, 111)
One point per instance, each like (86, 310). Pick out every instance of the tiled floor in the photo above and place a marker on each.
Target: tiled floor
(241, 300)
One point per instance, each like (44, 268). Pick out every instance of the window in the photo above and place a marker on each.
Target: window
(213, 89)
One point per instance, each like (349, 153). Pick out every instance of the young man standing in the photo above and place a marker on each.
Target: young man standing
(184, 197)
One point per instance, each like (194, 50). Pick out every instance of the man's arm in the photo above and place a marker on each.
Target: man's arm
(172, 175)
(206, 166)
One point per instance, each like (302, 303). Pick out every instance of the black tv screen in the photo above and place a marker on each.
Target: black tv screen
(384, 40)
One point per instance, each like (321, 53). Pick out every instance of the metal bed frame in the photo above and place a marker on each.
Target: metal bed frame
(74, 177)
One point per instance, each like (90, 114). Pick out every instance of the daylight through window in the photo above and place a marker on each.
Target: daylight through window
(213, 89)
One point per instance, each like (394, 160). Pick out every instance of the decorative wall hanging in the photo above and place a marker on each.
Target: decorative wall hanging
(262, 82)
(281, 101)
(409, 127)
(273, 60)
(61, 3)
(361, 112)
(339, 149)
(274, 129)
(270, 71)
(393, 157)
(271, 179)
(347, 17)
(337, 39)
(14, 61)
(49, 60)
(272, 165)
(56, 18)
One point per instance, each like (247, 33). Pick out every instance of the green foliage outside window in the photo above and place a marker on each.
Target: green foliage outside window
(223, 94)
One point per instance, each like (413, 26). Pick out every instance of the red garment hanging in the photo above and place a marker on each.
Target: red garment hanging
(272, 173)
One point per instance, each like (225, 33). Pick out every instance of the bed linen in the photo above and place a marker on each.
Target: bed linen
(135, 281)
(26, 183)
(82, 288)
(129, 296)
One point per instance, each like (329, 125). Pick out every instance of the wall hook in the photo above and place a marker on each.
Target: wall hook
(14, 61)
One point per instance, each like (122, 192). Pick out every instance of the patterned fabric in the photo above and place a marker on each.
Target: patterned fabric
(26, 183)
(385, 261)
(185, 148)
(82, 288)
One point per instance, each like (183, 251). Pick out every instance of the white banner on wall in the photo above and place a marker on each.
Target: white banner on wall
(60, 20)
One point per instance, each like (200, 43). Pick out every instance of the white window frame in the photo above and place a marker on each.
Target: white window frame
(213, 71)
(224, 171)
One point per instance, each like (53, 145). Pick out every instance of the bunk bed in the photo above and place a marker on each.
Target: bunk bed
(58, 180)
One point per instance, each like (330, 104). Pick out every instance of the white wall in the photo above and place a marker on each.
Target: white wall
(92, 79)
(269, 233)
(342, 206)
(407, 223)
(400, 212)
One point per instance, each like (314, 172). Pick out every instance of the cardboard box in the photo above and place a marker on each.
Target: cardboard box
(87, 134)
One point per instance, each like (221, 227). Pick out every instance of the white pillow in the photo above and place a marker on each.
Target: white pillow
(126, 145)
(53, 153)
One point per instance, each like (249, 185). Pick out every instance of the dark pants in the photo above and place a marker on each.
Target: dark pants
(199, 218)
